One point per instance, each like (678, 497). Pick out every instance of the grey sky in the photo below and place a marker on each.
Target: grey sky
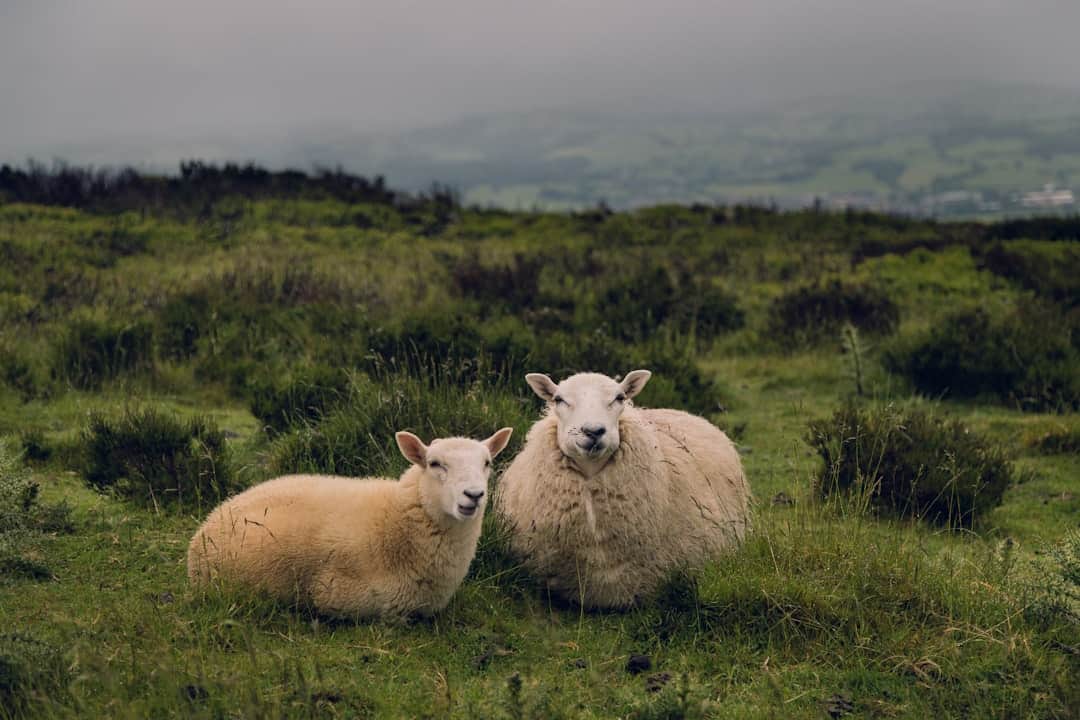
(79, 72)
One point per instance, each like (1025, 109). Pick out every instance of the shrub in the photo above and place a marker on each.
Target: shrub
(18, 373)
(182, 320)
(1025, 356)
(909, 463)
(1051, 270)
(635, 307)
(515, 286)
(91, 352)
(1061, 441)
(810, 314)
(35, 447)
(29, 670)
(23, 518)
(303, 398)
(157, 460)
(561, 354)
(453, 338)
(357, 438)
(103, 248)
(677, 381)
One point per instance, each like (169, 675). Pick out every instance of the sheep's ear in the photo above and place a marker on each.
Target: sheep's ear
(414, 450)
(634, 382)
(497, 442)
(542, 385)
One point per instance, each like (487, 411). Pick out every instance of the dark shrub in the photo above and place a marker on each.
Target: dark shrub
(438, 333)
(157, 460)
(91, 352)
(18, 373)
(303, 398)
(1025, 356)
(29, 670)
(813, 313)
(34, 446)
(909, 463)
(104, 247)
(182, 320)
(454, 339)
(22, 520)
(1063, 441)
(561, 354)
(357, 438)
(677, 381)
(635, 307)
(1050, 271)
(515, 286)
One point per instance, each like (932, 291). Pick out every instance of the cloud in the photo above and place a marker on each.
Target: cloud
(114, 70)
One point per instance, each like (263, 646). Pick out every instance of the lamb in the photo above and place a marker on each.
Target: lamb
(371, 548)
(606, 499)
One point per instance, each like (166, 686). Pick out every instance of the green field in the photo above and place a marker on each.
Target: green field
(435, 312)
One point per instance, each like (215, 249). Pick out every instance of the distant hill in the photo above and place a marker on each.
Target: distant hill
(970, 152)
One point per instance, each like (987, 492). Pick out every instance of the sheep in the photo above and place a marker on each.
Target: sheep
(606, 500)
(370, 548)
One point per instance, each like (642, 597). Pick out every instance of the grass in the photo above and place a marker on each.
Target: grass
(827, 611)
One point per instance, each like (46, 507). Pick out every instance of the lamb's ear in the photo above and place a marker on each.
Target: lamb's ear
(497, 442)
(634, 382)
(414, 450)
(542, 385)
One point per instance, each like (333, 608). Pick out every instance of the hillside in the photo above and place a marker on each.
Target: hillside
(165, 341)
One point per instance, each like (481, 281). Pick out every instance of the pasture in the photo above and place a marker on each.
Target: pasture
(154, 359)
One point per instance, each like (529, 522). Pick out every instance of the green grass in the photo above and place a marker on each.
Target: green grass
(825, 609)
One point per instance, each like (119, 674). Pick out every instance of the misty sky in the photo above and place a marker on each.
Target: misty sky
(77, 73)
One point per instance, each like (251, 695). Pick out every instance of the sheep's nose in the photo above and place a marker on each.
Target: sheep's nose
(594, 431)
(474, 495)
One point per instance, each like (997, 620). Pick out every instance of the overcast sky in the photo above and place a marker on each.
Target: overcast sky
(99, 71)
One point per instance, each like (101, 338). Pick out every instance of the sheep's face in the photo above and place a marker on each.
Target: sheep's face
(587, 407)
(456, 471)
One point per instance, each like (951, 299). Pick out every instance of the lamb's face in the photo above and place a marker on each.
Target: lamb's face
(456, 474)
(587, 408)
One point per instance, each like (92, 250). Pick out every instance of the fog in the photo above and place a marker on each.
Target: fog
(215, 75)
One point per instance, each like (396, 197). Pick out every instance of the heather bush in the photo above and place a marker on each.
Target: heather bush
(156, 459)
(1050, 269)
(813, 313)
(23, 518)
(357, 437)
(908, 462)
(1025, 357)
(302, 398)
(636, 307)
(90, 352)
(181, 321)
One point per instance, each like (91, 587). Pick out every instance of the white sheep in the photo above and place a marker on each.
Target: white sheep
(356, 548)
(606, 499)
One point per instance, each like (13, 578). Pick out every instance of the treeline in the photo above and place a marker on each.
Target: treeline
(198, 186)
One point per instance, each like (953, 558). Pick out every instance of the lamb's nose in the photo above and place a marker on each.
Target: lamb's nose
(594, 431)
(474, 495)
